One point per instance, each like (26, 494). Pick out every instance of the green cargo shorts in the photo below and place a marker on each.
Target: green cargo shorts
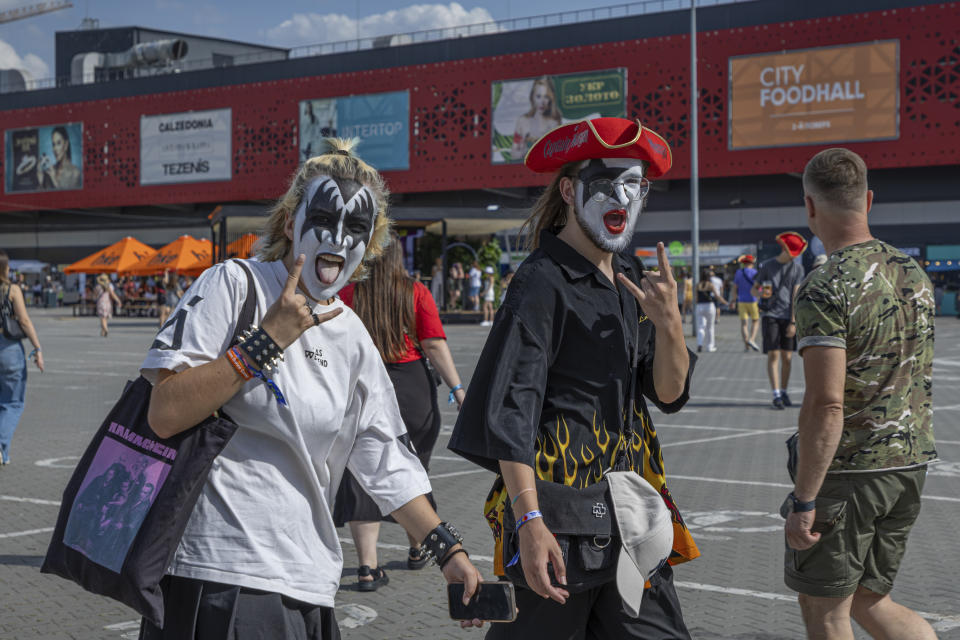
(867, 517)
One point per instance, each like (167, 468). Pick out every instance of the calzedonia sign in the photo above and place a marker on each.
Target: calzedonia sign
(185, 147)
(812, 96)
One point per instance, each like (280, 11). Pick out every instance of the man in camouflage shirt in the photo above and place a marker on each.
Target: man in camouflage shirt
(865, 323)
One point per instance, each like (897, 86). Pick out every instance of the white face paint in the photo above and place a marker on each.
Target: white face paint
(332, 228)
(610, 219)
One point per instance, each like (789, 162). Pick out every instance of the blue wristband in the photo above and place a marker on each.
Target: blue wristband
(452, 398)
(524, 519)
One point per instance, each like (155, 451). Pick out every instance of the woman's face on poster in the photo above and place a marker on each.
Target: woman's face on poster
(541, 98)
(60, 146)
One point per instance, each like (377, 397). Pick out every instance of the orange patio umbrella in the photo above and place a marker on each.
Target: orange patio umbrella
(118, 257)
(185, 255)
(242, 247)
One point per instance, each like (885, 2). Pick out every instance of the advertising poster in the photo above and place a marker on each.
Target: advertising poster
(48, 158)
(524, 110)
(380, 120)
(186, 147)
(832, 94)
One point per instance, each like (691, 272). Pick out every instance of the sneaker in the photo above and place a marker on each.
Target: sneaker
(485, 324)
(699, 348)
(753, 345)
(712, 349)
(379, 576)
(778, 403)
(786, 399)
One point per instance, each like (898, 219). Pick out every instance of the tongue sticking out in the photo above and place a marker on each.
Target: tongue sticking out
(328, 270)
(615, 220)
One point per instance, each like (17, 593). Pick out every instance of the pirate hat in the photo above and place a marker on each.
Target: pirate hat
(600, 138)
(793, 242)
(746, 258)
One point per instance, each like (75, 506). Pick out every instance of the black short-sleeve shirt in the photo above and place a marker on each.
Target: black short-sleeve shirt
(550, 387)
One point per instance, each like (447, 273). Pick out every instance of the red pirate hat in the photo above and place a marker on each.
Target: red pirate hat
(793, 242)
(745, 258)
(600, 138)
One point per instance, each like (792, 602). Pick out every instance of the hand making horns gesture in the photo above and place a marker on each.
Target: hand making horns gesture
(657, 293)
(290, 315)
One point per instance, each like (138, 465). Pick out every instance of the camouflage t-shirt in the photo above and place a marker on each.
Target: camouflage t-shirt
(877, 303)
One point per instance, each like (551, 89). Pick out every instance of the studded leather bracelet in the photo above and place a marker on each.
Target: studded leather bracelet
(261, 349)
(438, 542)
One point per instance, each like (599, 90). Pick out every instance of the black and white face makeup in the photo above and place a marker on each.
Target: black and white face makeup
(332, 228)
(610, 194)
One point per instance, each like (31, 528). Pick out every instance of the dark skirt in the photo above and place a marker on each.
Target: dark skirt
(200, 610)
(417, 396)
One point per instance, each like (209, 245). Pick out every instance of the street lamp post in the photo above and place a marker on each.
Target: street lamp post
(694, 158)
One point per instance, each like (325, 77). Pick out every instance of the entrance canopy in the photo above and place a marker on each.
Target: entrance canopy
(117, 258)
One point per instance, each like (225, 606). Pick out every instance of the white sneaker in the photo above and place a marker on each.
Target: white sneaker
(712, 349)
(485, 324)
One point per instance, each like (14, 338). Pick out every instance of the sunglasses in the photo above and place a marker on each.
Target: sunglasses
(602, 188)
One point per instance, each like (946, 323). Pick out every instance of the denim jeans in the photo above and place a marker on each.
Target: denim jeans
(13, 386)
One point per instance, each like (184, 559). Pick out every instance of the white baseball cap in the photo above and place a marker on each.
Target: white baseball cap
(488, 269)
(646, 531)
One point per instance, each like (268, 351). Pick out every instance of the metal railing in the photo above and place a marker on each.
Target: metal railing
(643, 7)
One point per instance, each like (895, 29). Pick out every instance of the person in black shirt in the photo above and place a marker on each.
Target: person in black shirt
(548, 397)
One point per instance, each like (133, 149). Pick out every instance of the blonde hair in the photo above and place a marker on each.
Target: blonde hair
(550, 210)
(337, 160)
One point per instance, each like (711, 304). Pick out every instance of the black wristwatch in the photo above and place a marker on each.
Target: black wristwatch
(438, 542)
(793, 505)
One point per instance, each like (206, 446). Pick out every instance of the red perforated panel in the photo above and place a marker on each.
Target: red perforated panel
(450, 112)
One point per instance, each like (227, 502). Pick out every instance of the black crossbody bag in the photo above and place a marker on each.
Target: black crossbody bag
(582, 520)
(118, 541)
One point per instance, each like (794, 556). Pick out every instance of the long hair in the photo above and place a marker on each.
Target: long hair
(552, 112)
(4, 267)
(550, 210)
(384, 302)
(337, 160)
(63, 133)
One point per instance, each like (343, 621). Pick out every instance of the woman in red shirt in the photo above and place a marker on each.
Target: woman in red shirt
(403, 321)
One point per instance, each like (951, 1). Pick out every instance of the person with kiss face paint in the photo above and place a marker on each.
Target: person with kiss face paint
(583, 333)
(260, 556)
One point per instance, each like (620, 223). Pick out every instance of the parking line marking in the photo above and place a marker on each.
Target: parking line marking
(728, 437)
(661, 425)
(52, 503)
(17, 534)
(782, 485)
(943, 622)
(457, 473)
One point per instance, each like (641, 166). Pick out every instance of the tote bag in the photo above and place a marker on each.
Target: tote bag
(126, 506)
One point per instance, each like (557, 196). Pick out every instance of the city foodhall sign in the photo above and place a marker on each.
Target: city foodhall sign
(834, 94)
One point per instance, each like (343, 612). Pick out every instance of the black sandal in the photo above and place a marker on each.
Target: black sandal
(416, 559)
(379, 576)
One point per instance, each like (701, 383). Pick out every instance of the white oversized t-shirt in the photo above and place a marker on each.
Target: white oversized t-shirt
(263, 520)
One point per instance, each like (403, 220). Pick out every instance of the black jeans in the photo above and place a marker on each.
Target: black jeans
(598, 614)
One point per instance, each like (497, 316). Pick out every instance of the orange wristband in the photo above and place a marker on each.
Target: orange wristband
(238, 364)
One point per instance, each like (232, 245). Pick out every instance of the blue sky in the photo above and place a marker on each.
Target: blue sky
(29, 43)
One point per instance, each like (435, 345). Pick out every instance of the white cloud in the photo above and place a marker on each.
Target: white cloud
(34, 64)
(315, 28)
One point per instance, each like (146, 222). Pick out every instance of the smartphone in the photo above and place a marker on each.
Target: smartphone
(493, 602)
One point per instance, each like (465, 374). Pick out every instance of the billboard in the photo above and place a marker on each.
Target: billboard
(48, 158)
(811, 96)
(524, 110)
(380, 120)
(186, 147)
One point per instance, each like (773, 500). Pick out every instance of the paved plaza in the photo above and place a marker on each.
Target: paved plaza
(725, 465)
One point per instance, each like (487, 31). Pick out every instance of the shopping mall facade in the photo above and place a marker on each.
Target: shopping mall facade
(157, 152)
